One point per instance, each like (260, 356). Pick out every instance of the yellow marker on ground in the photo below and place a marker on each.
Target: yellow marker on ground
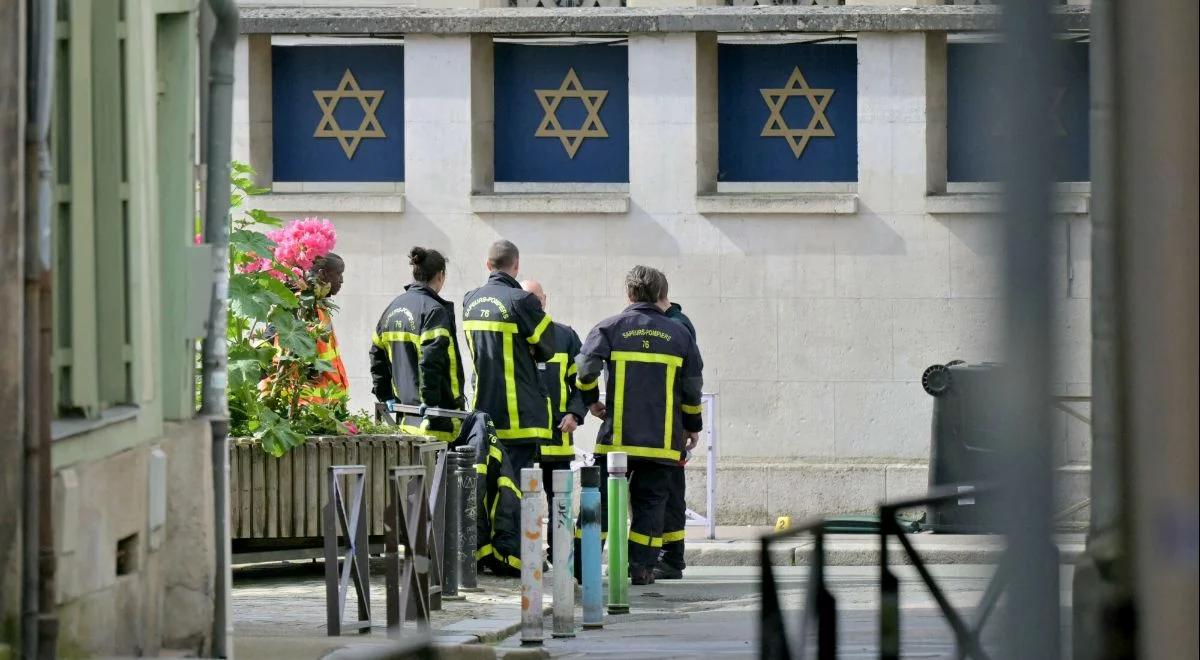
(782, 523)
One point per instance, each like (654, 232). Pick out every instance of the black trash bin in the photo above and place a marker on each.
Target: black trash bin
(964, 443)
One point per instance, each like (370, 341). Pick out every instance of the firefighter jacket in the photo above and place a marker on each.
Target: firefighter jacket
(675, 313)
(497, 496)
(415, 359)
(653, 385)
(558, 377)
(508, 334)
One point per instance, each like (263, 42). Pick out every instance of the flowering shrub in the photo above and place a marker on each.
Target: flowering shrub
(274, 326)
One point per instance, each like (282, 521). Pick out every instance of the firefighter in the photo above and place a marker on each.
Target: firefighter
(508, 334)
(671, 563)
(653, 405)
(415, 357)
(566, 404)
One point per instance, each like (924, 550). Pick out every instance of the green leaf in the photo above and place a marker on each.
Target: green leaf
(263, 218)
(238, 167)
(246, 240)
(245, 298)
(293, 335)
(243, 372)
(278, 292)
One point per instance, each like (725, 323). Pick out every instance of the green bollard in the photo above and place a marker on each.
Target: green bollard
(618, 533)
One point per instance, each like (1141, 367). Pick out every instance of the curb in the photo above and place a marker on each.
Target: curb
(863, 552)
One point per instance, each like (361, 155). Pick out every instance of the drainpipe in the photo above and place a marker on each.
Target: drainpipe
(41, 621)
(1103, 594)
(216, 233)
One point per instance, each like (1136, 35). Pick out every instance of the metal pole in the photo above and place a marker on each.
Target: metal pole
(618, 533)
(589, 515)
(531, 556)
(564, 554)
(468, 577)
(1027, 58)
(452, 545)
(710, 511)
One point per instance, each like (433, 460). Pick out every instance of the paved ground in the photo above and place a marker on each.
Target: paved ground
(279, 610)
(715, 612)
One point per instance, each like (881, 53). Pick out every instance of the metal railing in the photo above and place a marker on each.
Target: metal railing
(820, 605)
(353, 526)
(407, 526)
(966, 635)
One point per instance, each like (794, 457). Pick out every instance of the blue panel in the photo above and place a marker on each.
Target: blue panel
(297, 72)
(976, 127)
(744, 71)
(523, 156)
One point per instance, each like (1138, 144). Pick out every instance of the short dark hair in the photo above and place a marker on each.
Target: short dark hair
(645, 284)
(503, 255)
(328, 261)
(426, 263)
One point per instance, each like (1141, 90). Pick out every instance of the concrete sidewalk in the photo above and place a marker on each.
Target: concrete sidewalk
(739, 546)
(279, 612)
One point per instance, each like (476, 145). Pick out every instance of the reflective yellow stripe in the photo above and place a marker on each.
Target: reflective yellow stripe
(506, 483)
(565, 449)
(573, 369)
(518, 433)
(561, 360)
(480, 468)
(618, 410)
(378, 341)
(674, 537)
(398, 335)
(579, 534)
(483, 551)
(328, 355)
(669, 421)
(641, 452)
(495, 453)
(661, 358)
(508, 559)
(692, 410)
(471, 350)
(581, 385)
(444, 436)
(642, 539)
(490, 326)
(428, 335)
(537, 332)
(510, 384)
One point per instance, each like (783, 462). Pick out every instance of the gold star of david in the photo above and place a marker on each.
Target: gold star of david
(818, 126)
(571, 88)
(367, 99)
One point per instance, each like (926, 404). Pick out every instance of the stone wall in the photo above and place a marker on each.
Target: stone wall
(132, 580)
(816, 312)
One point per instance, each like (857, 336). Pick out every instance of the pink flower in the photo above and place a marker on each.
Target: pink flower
(199, 239)
(351, 429)
(301, 242)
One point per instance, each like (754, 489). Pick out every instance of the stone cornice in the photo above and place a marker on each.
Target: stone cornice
(383, 21)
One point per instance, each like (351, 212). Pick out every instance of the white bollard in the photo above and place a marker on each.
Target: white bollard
(531, 556)
(564, 554)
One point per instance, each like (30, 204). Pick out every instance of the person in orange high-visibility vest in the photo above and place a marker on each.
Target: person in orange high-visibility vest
(328, 271)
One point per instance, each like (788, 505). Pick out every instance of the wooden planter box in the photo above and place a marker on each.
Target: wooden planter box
(276, 504)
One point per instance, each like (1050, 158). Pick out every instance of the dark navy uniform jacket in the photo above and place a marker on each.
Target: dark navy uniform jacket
(508, 334)
(558, 375)
(653, 385)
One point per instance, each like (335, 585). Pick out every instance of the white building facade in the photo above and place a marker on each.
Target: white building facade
(818, 304)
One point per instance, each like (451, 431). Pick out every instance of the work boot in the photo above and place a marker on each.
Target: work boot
(641, 576)
(667, 572)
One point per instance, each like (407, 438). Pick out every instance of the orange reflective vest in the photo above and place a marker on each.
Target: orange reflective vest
(328, 350)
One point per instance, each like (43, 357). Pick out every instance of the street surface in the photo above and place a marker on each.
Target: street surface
(714, 611)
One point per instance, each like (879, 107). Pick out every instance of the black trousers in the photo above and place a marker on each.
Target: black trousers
(675, 519)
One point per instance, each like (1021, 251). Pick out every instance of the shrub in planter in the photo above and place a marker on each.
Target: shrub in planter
(277, 316)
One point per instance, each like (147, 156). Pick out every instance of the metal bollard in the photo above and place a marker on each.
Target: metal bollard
(453, 530)
(618, 533)
(564, 554)
(468, 506)
(531, 556)
(589, 515)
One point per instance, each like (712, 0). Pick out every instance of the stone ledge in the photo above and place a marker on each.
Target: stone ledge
(779, 203)
(1065, 203)
(627, 20)
(339, 202)
(550, 203)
